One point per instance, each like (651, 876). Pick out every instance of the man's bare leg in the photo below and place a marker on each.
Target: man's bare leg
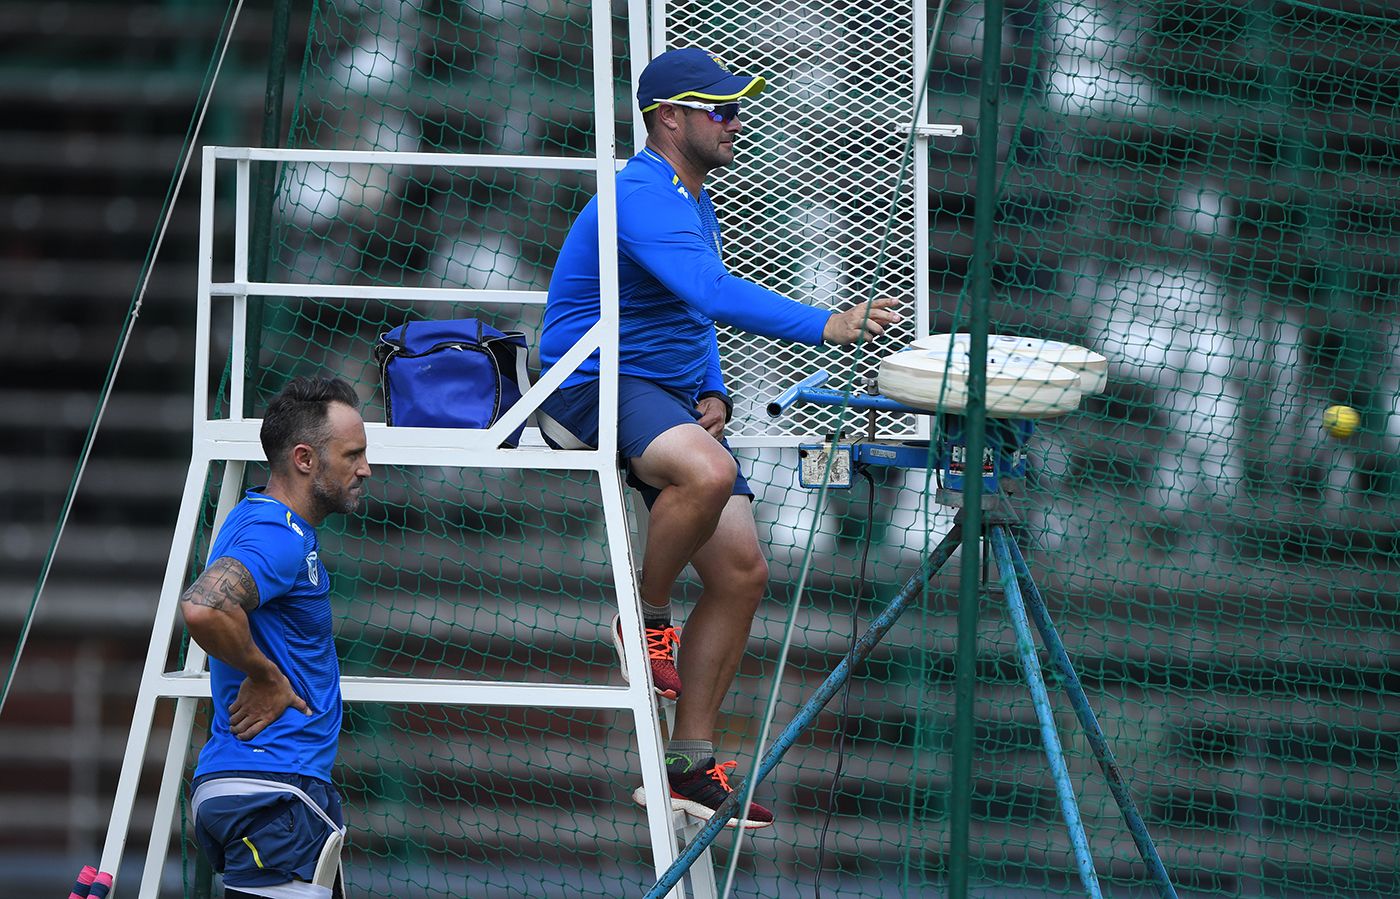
(695, 474)
(734, 576)
(723, 546)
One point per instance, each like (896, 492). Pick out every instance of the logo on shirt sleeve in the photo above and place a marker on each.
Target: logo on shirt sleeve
(293, 525)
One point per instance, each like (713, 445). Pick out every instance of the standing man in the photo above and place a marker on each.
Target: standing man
(266, 814)
(672, 401)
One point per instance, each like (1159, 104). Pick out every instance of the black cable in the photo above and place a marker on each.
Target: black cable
(843, 718)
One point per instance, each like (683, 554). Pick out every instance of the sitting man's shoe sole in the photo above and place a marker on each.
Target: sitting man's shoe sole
(699, 793)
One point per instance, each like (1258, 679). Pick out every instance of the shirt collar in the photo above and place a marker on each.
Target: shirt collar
(654, 157)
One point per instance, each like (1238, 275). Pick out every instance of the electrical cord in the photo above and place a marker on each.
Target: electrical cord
(843, 717)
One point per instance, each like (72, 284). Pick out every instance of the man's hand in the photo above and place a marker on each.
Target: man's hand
(261, 702)
(216, 608)
(712, 412)
(853, 325)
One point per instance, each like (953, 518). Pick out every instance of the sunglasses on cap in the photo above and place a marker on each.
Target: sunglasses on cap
(721, 114)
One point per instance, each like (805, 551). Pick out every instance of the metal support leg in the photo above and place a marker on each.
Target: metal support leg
(143, 717)
(1035, 604)
(182, 726)
(1049, 737)
(867, 641)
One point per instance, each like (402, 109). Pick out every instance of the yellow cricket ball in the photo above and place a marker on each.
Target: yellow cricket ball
(1341, 421)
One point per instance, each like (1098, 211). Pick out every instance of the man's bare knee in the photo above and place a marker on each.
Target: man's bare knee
(732, 563)
(757, 576)
(689, 458)
(748, 578)
(715, 475)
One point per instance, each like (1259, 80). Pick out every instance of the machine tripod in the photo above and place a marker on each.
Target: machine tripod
(1003, 467)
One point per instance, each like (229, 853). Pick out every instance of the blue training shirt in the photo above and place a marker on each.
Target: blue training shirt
(292, 626)
(673, 287)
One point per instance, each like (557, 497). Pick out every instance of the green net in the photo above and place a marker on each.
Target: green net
(1203, 192)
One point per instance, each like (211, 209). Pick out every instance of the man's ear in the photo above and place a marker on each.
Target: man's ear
(668, 116)
(303, 458)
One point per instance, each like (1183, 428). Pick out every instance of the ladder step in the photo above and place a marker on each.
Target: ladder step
(435, 691)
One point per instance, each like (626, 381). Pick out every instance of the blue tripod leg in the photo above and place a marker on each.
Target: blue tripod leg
(1035, 603)
(862, 648)
(1049, 737)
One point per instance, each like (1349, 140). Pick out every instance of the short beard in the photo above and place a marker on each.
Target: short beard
(332, 499)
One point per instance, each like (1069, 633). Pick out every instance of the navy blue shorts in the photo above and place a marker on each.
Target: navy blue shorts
(262, 839)
(645, 410)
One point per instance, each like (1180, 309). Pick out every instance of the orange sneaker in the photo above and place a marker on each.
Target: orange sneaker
(661, 643)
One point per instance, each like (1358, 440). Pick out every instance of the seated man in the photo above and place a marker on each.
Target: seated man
(672, 402)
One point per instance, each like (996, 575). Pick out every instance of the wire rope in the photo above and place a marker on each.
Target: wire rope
(824, 493)
(206, 93)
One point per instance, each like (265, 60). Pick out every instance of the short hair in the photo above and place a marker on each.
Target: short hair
(299, 414)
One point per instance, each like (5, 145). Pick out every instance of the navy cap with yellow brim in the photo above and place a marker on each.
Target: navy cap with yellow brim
(692, 73)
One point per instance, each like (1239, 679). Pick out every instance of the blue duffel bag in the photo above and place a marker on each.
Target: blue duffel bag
(458, 373)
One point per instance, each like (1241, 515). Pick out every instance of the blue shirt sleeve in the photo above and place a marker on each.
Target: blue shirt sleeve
(273, 555)
(670, 245)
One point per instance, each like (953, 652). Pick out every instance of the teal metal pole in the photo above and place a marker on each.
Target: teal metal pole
(969, 582)
(203, 885)
(1079, 699)
(1000, 539)
(264, 183)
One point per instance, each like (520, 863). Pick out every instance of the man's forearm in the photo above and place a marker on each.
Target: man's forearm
(224, 634)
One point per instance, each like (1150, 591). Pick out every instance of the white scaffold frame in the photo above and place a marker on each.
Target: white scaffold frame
(234, 441)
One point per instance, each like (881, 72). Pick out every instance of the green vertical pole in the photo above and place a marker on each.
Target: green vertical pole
(264, 187)
(969, 582)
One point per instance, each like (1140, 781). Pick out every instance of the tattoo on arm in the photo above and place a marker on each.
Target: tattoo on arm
(225, 583)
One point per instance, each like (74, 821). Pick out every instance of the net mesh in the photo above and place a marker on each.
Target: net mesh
(1203, 192)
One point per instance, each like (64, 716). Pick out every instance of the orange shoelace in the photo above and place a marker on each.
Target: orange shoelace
(720, 772)
(659, 641)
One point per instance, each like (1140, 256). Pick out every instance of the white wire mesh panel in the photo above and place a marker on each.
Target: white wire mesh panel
(814, 206)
